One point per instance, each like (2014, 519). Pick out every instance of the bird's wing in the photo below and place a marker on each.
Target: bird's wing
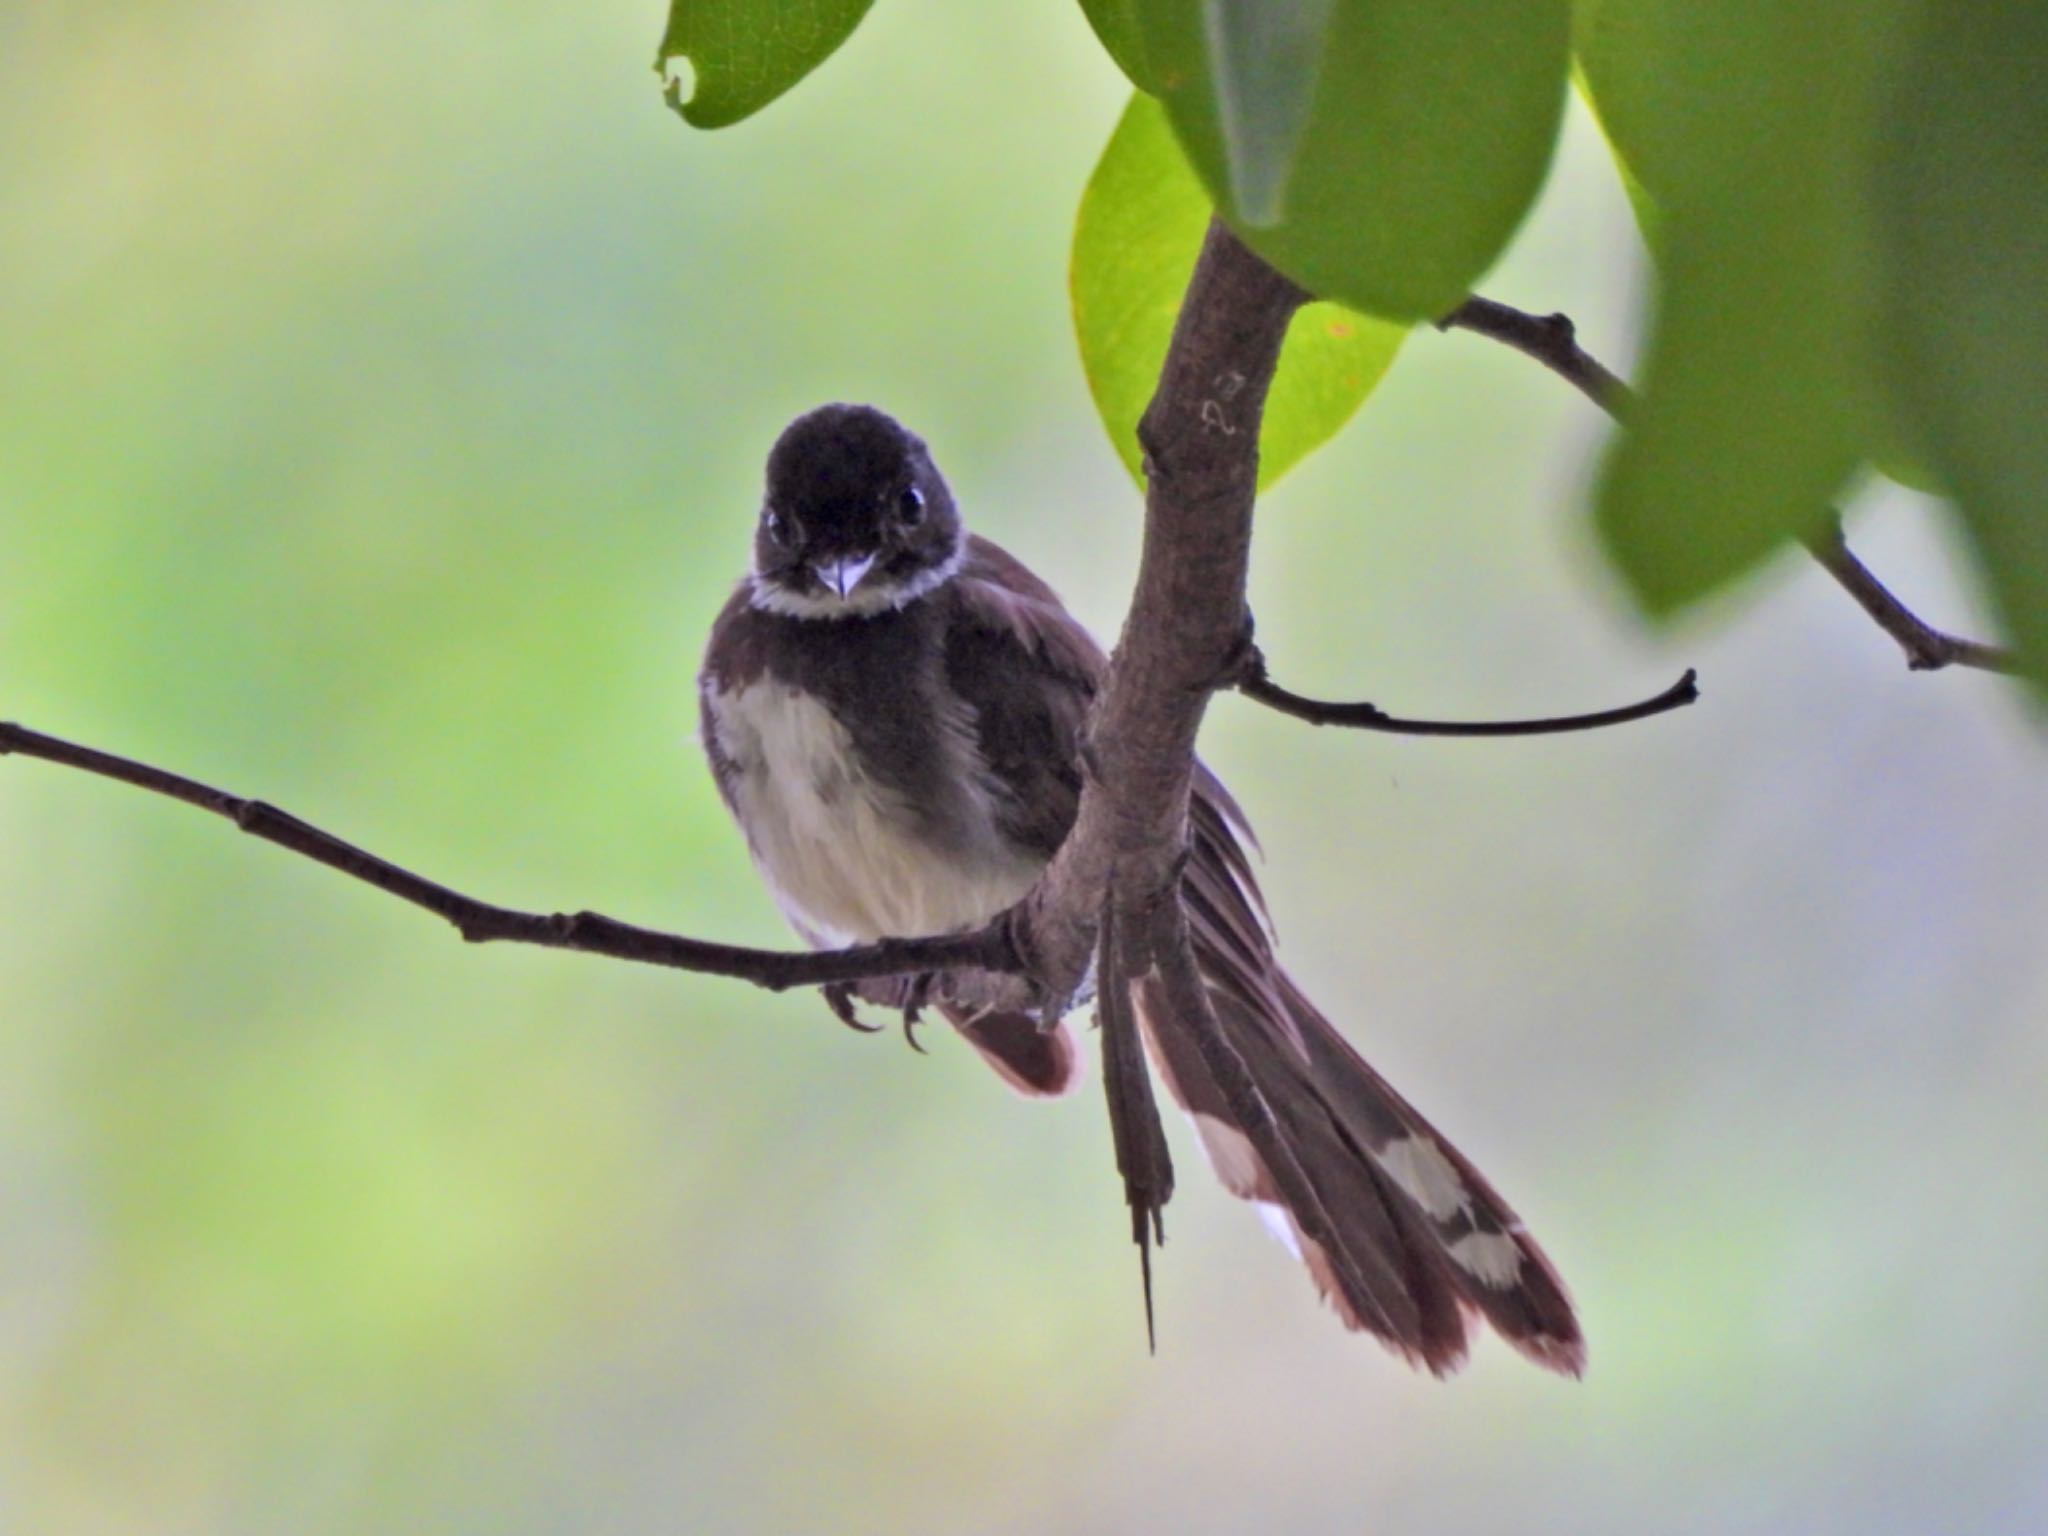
(731, 661)
(1027, 670)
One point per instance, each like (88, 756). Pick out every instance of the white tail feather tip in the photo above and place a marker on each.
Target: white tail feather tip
(1491, 1258)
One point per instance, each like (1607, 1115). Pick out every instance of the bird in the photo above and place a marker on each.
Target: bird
(893, 710)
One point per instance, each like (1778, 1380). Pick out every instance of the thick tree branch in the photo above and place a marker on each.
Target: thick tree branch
(1186, 626)
(1553, 341)
(988, 949)
(1183, 638)
(1253, 683)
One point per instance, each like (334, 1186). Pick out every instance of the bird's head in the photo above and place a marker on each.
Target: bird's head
(856, 520)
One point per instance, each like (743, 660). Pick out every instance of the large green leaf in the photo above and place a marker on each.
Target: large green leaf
(1749, 125)
(1669, 81)
(1962, 199)
(1140, 226)
(1263, 64)
(1380, 152)
(1116, 28)
(1741, 433)
(745, 53)
(1647, 122)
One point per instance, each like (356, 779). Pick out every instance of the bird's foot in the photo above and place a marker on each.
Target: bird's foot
(838, 997)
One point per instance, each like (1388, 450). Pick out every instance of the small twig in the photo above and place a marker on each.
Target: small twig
(1253, 683)
(987, 949)
(1553, 341)
(1927, 649)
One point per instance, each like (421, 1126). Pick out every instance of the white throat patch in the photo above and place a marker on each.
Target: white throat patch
(863, 602)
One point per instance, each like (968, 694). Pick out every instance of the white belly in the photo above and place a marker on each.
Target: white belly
(847, 860)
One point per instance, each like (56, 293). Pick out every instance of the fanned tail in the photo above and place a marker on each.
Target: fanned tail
(1429, 1243)
(1499, 1270)
(1426, 1244)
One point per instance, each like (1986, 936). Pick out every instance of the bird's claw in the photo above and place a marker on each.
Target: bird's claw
(838, 997)
(913, 1009)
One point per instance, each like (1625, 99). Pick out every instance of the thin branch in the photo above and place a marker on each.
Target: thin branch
(1553, 341)
(1187, 616)
(1254, 684)
(1201, 434)
(1927, 649)
(987, 949)
(1181, 642)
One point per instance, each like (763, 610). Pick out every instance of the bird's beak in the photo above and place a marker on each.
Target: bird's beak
(842, 576)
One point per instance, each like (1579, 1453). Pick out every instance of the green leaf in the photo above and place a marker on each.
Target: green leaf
(1748, 124)
(1962, 199)
(1649, 222)
(1263, 65)
(1907, 467)
(1658, 74)
(1380, 152)
(745, 53)
(1739, 436)
(1140, 226)
(1116, 28)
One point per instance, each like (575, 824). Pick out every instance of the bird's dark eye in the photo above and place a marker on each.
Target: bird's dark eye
(773, 525)
(910, 506)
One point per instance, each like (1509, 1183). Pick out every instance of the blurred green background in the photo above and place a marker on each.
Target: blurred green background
(382, 396)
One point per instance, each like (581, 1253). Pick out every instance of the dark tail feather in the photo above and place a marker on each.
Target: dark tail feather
(1427, 1238)
(1500, 1270)
(1040, 1063)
